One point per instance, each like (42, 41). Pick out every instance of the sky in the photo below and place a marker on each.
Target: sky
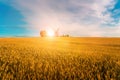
(86, 18)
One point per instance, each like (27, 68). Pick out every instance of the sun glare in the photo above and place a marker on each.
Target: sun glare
(50, 33)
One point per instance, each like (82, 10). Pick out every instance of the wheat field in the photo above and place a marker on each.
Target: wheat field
(60, 58)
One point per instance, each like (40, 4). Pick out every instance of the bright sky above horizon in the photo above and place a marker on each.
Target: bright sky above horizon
(96, 18)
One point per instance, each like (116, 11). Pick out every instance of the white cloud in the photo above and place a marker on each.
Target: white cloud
(76, 17)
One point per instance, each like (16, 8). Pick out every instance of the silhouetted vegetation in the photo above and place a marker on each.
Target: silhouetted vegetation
(43, 33)
(65, 35)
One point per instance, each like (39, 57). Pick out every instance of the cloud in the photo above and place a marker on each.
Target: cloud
(76, 17)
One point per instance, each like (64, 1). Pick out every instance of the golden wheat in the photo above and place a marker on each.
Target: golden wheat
(59, 58)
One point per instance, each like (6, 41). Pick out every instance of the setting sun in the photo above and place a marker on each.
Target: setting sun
(50, 33)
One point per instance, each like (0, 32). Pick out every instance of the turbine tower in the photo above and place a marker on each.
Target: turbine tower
(57, 32)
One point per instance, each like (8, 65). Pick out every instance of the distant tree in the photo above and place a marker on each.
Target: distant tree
(43, 33)
(65, 35)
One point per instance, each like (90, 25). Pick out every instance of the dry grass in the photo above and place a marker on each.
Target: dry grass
(59, 58)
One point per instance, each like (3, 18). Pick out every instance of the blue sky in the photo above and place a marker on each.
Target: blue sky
(10, 21)
(75, 17)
